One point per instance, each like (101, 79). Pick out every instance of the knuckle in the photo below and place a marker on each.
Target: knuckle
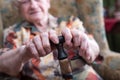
(40, 49)
(44, 34)
(42, 54)
(52, 36)
(52, 31)
(68, 36)
(36, 37)
(46, 46)
(77, 35)
(66, 30)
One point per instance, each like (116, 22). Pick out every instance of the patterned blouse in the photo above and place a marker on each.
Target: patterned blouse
(45, 68)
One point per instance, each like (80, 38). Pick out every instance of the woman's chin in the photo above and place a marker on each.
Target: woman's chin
(36, 21)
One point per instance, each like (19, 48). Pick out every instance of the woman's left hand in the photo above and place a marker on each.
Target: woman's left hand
(88, 48)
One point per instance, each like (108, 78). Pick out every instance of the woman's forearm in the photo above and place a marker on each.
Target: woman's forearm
(11, 61)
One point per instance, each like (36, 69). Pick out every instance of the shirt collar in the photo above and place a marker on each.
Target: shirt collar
(52, 23)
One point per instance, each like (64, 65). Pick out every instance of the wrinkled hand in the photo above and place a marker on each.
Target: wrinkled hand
(88, 48)
(40, 45)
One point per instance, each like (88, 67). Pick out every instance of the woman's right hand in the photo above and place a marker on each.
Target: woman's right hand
(40, 46)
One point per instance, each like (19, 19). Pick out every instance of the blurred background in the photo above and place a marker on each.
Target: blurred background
(112, 23)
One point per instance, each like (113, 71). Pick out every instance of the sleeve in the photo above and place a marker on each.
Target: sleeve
(71, 22)
(11, 41)
(9, 38)
(75, 22)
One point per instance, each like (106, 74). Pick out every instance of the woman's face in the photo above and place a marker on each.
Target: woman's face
(34, 10)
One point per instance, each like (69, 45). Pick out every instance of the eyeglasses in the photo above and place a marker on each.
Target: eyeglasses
(27, 1)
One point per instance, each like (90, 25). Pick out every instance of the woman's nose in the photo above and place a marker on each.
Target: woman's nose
(33, 4)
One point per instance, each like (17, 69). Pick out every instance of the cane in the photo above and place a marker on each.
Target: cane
(65, 66)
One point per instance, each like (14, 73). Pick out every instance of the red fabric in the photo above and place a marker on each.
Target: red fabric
(91, 76)
(109, 23)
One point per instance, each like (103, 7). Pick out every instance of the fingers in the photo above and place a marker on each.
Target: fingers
(45, 42)
(40, 46)
(91, 54)
(68, 37)
(31, 49)
(53, 36)
(81, 40)
(85, 49)
(84, 52)
(76, 37)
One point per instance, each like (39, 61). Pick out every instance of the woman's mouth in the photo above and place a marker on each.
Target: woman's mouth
(34, 12)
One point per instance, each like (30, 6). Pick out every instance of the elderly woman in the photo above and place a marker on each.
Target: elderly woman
(28, 51)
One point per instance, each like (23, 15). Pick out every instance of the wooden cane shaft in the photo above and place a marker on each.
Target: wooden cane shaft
(66, 69)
